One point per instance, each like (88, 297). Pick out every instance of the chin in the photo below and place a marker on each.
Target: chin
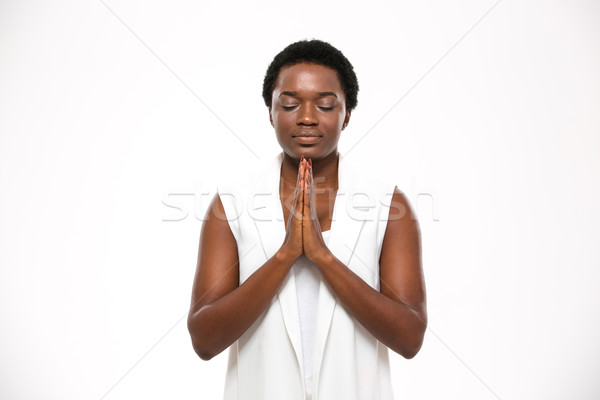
(313, 152)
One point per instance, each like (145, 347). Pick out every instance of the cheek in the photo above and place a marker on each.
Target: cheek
(336, 120)
(280, 119)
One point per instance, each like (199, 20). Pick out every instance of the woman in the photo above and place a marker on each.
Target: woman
(308, 308)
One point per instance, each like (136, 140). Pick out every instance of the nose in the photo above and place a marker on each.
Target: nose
(307, 115)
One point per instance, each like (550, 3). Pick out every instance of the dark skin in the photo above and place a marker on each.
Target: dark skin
(308, 101)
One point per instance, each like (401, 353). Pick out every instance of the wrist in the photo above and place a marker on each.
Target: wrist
(323, 257)
(285, 256)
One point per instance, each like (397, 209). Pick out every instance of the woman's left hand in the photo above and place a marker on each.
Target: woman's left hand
(312, 240)
(396, 314)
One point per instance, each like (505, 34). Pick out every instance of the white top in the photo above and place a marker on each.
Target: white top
(308, 279)
(349, 363)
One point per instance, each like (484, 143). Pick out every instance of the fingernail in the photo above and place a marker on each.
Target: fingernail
(310, 162)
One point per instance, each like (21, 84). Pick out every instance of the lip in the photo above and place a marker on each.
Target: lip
(307, 139)
(307, 132)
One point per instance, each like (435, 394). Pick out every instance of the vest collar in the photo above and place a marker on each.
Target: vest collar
(267, 214)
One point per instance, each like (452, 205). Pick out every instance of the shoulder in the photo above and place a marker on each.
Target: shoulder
(237, 186)
(367, 182)
(370, 188)
(400, 206)
(402, 223)
(237, 178)
(248, 175)
(239, 189)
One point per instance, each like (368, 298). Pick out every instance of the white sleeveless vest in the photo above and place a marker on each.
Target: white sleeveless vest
(265, 363)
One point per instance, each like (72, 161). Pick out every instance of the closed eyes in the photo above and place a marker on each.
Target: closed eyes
(323, 108)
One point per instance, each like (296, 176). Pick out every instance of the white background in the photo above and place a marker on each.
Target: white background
(110, 110)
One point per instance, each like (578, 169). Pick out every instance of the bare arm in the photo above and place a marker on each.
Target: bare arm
(221, 311)
(396, 315)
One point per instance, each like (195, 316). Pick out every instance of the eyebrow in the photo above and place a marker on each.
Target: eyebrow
(295, 94)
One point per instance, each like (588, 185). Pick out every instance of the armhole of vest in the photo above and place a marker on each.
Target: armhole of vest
(387, 192)
(231, 213)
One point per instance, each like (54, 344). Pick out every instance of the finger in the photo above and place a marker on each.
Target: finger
(301, 180)
(300, 169)
(295, 199)
(299, 196)
(294, 207)
(306, 199)
(302, 175)
(298, 180)
(311, 193)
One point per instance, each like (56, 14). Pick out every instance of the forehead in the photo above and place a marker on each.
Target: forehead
(307, 78)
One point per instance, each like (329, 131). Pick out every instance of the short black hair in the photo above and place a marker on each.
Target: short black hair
(313, 52)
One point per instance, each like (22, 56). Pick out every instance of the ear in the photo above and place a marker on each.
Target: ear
(271, 118)
(346, 119)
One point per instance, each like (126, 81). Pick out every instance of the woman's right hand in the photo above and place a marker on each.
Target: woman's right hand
(292, 244)
(222, 309)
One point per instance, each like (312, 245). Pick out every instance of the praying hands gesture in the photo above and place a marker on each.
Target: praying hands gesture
(396, 314)
(303, 229)
(222, 309)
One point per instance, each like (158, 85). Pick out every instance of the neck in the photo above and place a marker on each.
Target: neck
(325, 170)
